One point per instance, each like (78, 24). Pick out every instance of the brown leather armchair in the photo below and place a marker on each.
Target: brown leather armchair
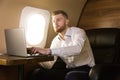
(105, 43)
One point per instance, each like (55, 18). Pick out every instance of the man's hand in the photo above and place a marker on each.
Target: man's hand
(34, 50)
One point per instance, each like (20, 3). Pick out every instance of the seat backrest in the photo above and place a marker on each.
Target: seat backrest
(105, 43)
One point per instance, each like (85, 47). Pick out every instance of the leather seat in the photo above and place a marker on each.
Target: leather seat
(105, 43)
(105, 72)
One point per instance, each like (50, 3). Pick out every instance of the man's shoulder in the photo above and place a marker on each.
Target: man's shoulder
(56, 38)
(76, 28)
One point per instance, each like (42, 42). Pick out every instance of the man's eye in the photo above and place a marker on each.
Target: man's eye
(58, 19)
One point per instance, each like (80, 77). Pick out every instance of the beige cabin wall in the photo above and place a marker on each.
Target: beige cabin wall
(10, 11)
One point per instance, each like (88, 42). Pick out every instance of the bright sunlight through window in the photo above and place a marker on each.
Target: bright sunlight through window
(35, 22)
(35, 28)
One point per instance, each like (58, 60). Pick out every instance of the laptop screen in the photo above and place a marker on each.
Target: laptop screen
(15, 42)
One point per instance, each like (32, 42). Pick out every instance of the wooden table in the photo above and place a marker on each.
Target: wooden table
(20, 61)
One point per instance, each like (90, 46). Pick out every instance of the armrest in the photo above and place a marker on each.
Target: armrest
(105, 72)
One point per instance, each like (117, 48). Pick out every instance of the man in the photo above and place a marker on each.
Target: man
(72, 46)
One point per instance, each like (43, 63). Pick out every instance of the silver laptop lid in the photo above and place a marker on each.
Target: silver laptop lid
(15, 42)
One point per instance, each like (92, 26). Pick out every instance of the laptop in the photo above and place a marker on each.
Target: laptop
(16, 43)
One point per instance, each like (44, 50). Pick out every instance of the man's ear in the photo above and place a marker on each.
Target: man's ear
(67, 21)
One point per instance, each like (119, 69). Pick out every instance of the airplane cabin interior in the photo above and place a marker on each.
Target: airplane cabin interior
(99, 18)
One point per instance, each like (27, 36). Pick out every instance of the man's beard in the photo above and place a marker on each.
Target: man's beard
(60, 30)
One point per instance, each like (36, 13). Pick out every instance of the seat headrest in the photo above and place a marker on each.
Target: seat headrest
(103, 37)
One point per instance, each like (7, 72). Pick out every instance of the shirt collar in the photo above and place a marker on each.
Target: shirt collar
(67, 34)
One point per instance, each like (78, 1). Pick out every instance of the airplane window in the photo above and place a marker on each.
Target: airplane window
(35, 21)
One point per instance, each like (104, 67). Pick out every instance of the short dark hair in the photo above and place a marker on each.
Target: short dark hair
(60, 12)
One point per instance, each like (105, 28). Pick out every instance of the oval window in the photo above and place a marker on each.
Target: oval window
(35, 22)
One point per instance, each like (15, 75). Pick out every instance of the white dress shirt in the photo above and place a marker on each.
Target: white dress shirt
(74, 50)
